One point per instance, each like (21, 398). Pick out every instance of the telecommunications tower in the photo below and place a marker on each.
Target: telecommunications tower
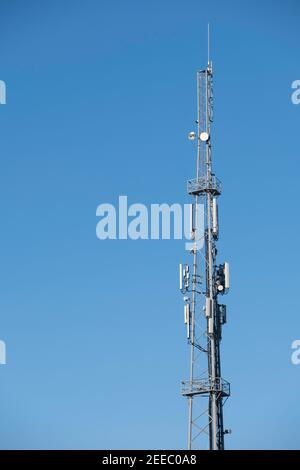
(203, 285)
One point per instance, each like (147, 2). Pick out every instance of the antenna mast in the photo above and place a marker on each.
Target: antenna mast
(208, 43)
(204, 314)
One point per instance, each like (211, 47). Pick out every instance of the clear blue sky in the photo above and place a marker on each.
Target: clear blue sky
(100, 97)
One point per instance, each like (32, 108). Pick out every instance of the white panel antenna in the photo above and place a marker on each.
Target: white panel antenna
(215, 219)
(227, 275)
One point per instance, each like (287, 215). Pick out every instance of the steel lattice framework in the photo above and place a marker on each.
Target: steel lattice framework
(202, 286)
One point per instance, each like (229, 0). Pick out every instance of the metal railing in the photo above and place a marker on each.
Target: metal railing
(202, 184)
(205, 386)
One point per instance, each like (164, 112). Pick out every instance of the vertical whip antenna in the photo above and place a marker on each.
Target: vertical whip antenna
(208, 43)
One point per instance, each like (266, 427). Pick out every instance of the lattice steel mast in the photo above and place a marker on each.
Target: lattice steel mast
(204, 315)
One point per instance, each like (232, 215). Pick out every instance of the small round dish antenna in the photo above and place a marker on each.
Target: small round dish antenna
(204, 136)
(192, 135)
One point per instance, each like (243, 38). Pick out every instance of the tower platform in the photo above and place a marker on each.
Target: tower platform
(202, 185)
(205, 386)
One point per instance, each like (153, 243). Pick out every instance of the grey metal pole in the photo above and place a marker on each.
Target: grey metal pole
(210, 287)
(194, 279)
